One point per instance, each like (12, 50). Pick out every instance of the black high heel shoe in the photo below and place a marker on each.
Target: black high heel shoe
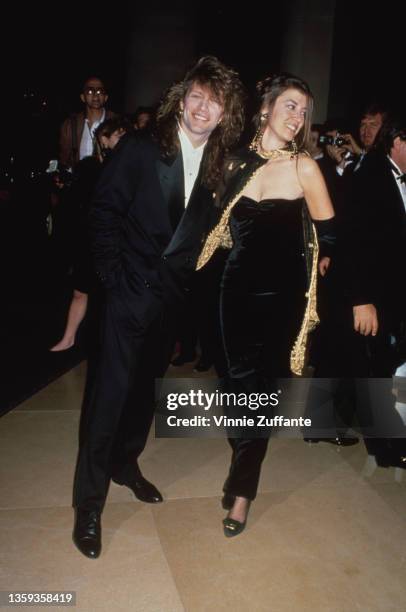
(231, 526)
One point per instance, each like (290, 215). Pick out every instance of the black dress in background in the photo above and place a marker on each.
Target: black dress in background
(262, 304)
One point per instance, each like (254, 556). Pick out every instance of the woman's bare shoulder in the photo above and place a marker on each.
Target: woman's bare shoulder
(307, 166)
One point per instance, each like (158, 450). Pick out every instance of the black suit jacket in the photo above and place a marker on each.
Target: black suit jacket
(138, 253)
(375, 236)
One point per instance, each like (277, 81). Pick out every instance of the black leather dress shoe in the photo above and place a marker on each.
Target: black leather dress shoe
(87, 532)
(180, 360)
(227, 501)
(143, 489)
(337, 441)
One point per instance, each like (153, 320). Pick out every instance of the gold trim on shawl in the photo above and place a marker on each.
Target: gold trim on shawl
(310, 318)
(220, 235)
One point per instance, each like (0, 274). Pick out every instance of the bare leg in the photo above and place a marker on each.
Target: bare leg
(77, 311)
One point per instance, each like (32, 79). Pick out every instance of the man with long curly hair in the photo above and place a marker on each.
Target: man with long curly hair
(151, 212)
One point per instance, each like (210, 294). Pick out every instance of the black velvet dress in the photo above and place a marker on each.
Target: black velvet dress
(262, 305)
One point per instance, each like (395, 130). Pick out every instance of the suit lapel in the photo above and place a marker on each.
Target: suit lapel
(165, 174)
(191, 213)
(191, 218)
(170, 174)
(395, 197)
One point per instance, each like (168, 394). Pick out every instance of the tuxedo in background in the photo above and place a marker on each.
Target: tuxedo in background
(377, 244)
(368, 269)
(145, 246)
(377, 240)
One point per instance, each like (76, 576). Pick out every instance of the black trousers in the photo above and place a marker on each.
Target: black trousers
(258, 329)
(119, 403)
(245, 469)
(357, 389)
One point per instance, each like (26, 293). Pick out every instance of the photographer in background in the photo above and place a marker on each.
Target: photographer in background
(344, 149)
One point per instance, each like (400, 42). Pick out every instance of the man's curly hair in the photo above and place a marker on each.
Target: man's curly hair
(226, 86)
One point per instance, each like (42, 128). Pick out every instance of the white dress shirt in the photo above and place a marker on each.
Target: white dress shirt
(340, 169)
(401, 186)
(87, 140)
(191, 162)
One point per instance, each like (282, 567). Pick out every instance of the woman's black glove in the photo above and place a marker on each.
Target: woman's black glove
(326, 236)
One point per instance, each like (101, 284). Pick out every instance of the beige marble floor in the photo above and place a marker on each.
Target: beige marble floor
(326, 533)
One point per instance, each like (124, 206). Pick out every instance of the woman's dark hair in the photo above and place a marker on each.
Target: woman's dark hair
(109, 126)
(271, 88)
(225, 85)
(141, 110)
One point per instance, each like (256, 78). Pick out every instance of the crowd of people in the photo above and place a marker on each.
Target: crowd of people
(280, 253)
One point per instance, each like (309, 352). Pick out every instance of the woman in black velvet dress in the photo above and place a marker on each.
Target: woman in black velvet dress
(273, 196)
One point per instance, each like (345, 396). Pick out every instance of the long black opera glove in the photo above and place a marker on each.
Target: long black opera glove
(326, 236)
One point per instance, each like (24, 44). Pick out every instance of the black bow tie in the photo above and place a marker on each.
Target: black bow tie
(399, 176)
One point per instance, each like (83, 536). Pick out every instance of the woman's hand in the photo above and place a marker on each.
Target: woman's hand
(324, 265)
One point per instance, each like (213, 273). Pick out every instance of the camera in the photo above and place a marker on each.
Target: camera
(337, 141)
(59, 173)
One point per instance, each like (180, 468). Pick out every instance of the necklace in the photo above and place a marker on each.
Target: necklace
(274, 153)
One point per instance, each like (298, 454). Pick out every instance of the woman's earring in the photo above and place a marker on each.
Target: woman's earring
(294, 148)
(256, 141)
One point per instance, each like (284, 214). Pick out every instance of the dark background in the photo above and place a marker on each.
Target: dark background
(48, 50)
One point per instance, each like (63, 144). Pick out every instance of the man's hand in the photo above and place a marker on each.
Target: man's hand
(336, 153)
(365, 319)
(323, 265)
(351, 144)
